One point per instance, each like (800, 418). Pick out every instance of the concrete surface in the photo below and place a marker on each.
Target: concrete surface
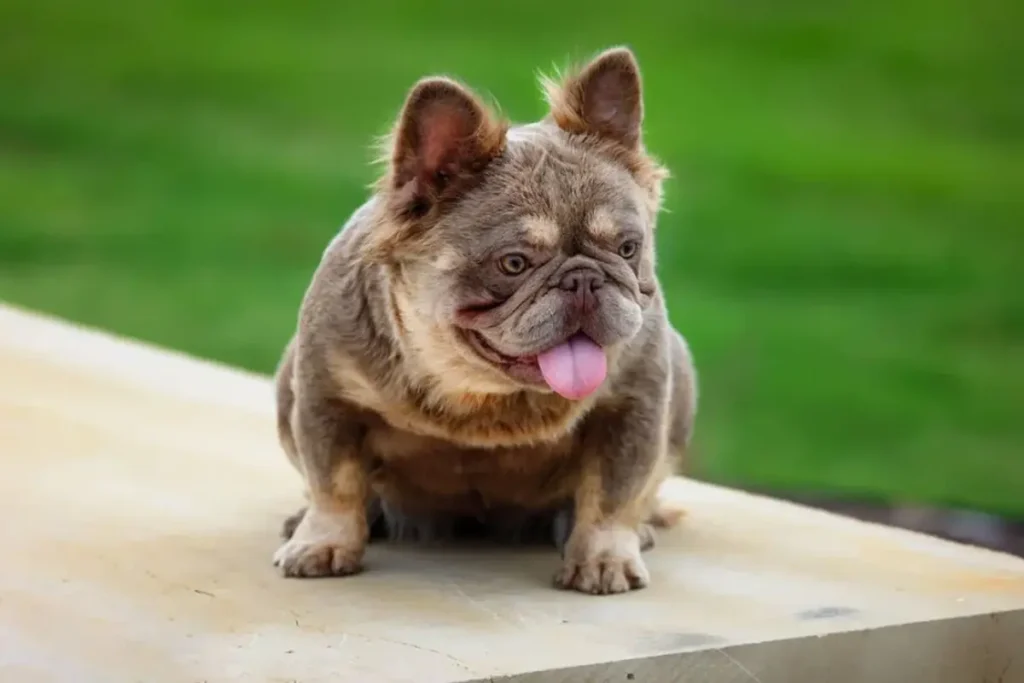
(141, 494)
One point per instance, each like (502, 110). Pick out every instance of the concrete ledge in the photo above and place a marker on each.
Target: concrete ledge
(142, 491)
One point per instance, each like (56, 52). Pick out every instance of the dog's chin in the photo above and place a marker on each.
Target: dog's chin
(523, 370)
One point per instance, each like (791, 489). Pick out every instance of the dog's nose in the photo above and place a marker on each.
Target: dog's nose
(582, 281)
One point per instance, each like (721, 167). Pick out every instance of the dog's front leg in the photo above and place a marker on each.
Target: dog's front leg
(623, 460)
(331, 537)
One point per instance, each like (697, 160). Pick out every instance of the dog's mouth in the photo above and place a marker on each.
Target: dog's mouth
(574, 368)
(488, 352)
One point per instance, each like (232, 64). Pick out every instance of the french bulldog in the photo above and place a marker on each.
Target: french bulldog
(486, 339)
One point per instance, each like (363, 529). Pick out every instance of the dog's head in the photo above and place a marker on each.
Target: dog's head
(522, 257)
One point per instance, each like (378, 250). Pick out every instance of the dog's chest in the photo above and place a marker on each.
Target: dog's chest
(412, 466)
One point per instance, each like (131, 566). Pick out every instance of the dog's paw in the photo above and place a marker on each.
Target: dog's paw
(324, 545)
(324, 558)
(563, 521)
(602, 561)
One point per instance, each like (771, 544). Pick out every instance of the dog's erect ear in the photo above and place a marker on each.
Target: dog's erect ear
(445, 135)
(603, 99)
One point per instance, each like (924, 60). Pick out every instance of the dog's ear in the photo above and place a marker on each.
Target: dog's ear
(604, 98)
(444, 137)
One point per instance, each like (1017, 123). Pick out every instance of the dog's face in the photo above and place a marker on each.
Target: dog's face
(522, 258)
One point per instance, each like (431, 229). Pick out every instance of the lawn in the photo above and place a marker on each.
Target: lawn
(843, 245)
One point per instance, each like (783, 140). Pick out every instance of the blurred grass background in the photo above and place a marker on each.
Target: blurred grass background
(843, 245)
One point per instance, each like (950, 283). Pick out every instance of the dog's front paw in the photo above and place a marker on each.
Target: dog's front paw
(324, 544)
(603, 560)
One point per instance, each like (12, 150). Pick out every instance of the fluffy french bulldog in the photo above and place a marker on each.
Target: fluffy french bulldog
(486, 339)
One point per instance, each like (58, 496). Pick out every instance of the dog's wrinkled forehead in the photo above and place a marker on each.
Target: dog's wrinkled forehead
(546, 189)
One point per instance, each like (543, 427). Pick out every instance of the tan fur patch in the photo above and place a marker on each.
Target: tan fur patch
(589, 494)
(447, 259)
(350, 488)
(541, 232)
(436, 353)
(603, 226)
(353, 384)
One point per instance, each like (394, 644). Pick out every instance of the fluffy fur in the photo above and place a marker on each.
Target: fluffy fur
(410, 398)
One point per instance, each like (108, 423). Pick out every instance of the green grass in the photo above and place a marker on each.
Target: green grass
(845, 236)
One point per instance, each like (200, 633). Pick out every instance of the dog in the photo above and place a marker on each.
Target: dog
(486, 339)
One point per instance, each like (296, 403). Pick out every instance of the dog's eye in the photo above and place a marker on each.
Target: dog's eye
(513, 264)
(627, 250)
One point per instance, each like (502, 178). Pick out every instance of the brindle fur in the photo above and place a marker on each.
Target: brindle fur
(401, 430)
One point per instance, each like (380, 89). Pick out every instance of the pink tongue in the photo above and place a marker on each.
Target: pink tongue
(575, 368)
